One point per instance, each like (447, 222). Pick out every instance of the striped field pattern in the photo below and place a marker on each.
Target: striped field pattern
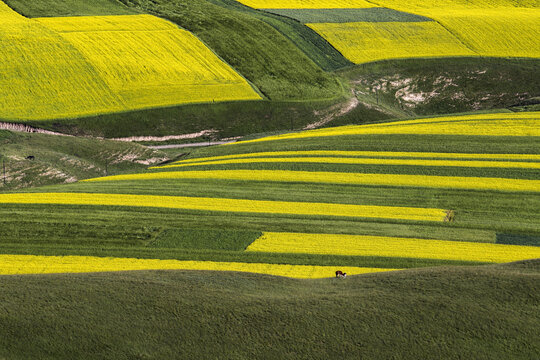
(500, 124)
(359, 245)
(400, 180)
(29, 264)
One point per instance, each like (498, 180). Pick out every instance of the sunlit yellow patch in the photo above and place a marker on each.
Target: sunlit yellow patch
(29, 264)
(360, 245)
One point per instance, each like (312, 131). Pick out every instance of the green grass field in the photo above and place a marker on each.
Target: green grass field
(458, 312)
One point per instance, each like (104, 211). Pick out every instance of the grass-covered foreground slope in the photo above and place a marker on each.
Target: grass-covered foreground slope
(69, 67)
(425, 192)
(481, 312)
(59, 159)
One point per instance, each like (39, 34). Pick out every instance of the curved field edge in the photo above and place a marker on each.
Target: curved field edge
(487, 311)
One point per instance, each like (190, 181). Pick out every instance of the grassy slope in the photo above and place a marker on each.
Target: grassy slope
(311, 43)
(447, 85)
(59, 159)
(451, 313)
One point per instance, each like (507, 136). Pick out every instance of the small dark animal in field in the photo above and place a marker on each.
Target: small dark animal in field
(30, 157)
(340, 274)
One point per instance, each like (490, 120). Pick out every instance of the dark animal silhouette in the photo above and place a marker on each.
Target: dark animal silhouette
(30, 157)
(340, 274)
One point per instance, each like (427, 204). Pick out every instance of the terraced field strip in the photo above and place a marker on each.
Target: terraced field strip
(178, 67)
(228, 205)
(362, 42)
(429, 181)
(503, 124)
(30, 264)
(359, 245)
(307, 4)
(373, 154)
(366, 161)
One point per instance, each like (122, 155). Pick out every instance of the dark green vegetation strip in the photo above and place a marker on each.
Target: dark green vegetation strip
(310, 42)
(481, 312)
(348, 15)
(516, 239)
(228, 119)
(509, 173)
(278, 68)
(210, 239)
(53, 8)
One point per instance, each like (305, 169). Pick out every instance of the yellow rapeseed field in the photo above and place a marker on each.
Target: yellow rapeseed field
(42, 76)
(488, 28)
(148, 61)
(362, 42)
(68, 67)
(229, 205)
(29, 264)
(368, 161)
(429, 181)
(374, 154)
(360, 245)
(500, 124)
(307, 4)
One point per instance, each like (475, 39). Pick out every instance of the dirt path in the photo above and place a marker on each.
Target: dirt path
(333, 112)
(27, 129)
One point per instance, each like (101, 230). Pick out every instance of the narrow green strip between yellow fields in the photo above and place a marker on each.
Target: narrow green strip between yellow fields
(372, 154)
(368, 161)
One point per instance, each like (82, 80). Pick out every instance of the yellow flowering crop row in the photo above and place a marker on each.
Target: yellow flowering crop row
(362, 42)
(359, 245)
(229, 205)
(424, 5)
(375, 154)
(68, 67)
(307, 4)
(29, 264)
(503, 124)
(368, 161)
(451, 182)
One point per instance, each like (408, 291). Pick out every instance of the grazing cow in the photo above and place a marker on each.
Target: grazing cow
(30, 157)
(340, 274)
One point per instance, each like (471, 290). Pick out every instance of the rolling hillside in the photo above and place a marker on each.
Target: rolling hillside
(416, 187)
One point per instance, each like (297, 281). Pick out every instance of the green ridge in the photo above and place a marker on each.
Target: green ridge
(51, 8)
(348, 15)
